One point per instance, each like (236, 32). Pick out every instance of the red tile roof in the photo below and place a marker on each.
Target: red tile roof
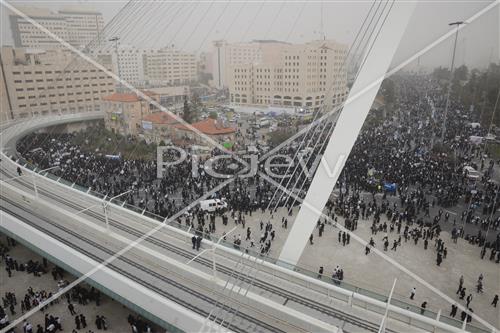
(126, 97)
(208, 126)
(160, 118)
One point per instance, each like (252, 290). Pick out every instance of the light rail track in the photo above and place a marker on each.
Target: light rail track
(257, 283)
(261, 326)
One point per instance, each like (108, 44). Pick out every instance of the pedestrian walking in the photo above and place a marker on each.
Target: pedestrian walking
(412, 293)
(495, 301)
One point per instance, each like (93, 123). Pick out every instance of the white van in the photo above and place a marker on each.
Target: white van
(472, 173)
(212, 205)
(264, 122)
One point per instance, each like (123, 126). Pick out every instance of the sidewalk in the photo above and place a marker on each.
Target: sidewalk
(115, 313)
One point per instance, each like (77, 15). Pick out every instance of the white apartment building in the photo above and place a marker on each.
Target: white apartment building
(129, 61)
(131, 65)
(5, 111)
(205, 63)
(76, 26)
(301, 75)
(225, 55)
(49, 82)
(168, 66)
(151, 67)
(84, 26)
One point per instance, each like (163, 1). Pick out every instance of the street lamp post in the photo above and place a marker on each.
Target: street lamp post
(443, 129)
(212, 250)
(34, 178)
(494, 111)
(115, 40)
(214, 246)
(105, 207)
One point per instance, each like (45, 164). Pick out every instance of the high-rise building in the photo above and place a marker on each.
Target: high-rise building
(205, 69)
(128, 63)
(5, 103)
(206, 63)
(151, 67)
(50, 82)
(76, 26)
(291, 75)
(225, 55)
(84, 26)
(168, 66)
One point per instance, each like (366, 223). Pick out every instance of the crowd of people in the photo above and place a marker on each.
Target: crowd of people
(399, 151)
(398, 175)
(138, 324)
(77, 299)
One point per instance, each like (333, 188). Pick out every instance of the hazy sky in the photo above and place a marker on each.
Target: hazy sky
(192, 25)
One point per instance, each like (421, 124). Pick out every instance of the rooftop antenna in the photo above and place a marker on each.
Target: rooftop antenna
(115, 41)
(322, 31)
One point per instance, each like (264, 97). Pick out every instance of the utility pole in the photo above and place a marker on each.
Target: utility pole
(115, 40)
(323, 35)
(105, 205)
(494, 111)
(482, 108)
(443, 129)
(473, 101)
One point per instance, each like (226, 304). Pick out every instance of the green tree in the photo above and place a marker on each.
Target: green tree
(277, 137)
(187, 113)
(480, 91)
(388, 91)
(213, 115)
(461, 73)
(196, 102)
(441, 73)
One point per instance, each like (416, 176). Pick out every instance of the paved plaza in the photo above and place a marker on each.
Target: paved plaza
(115, 313)
(377, 275)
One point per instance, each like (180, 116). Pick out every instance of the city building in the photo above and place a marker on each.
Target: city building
(77, 26)
(273, 73)
(6, 113)
(205, 68)
(158, 127)
(172, 96)
(206, 63)
(84, 26)
(50, 82)
(145, 68)
(128, 64)
(226, 54)
(216, 129)
(168, 66)
(126, 111)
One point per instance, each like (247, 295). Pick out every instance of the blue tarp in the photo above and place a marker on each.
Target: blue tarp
(391, 187)
(113, 157)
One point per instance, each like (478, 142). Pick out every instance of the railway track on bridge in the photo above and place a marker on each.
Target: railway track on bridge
(257, 283)
(264, 327)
